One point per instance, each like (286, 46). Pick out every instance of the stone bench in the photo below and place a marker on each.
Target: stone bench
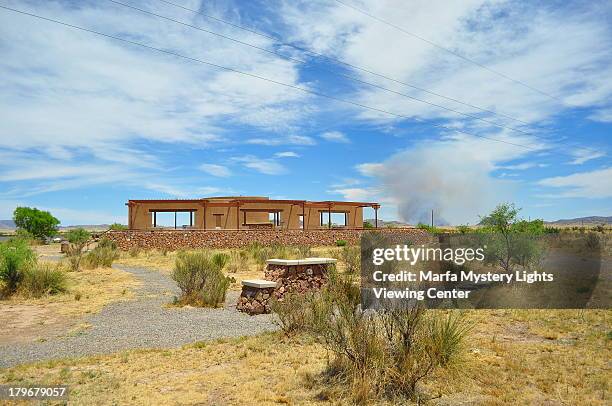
(283, 276)
(298, 275)
(255, 296)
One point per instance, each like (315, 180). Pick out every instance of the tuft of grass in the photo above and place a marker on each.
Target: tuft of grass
(43, 279)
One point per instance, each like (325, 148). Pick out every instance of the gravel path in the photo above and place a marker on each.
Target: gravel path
(143, 323)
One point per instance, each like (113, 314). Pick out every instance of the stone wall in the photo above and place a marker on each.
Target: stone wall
(255, 300)
(297, 278)
(183, 239)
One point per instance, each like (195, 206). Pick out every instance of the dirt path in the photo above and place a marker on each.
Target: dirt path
(142, 323)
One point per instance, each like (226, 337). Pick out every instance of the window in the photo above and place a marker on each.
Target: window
(173, 218)
(336, 219)
(218, 220)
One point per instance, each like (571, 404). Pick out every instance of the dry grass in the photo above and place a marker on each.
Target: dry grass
(164, 262)
(88, 292)
(511, 359)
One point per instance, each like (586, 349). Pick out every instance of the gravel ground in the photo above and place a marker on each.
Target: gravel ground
(143, 323)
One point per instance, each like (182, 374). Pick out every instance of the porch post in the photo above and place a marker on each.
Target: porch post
(375, 217)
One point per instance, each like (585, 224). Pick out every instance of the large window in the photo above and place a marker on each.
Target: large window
(174, 219)
(335, 219)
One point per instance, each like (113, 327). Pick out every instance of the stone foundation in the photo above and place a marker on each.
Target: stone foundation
(185, 239)
(298, 277)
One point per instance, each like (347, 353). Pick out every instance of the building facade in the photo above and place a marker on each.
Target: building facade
(246, 213)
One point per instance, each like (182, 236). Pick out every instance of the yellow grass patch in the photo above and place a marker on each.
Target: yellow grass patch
(508, 360)
(89, 291)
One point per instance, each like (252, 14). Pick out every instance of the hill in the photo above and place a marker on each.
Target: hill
(7, 225)
(590, 220)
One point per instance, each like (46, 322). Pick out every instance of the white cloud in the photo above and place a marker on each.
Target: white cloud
(523, 166)
(335, 136)
(285, 140)
(583, 155)
(370, 169)
(287, 154)
(75, 98)
(261, 165)
(215, 170)
(564, 51)
(590, 185)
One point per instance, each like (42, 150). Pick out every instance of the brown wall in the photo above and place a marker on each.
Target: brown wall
(232, 218)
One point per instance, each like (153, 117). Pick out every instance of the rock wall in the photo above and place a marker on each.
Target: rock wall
(184, 239)
(255, 300)
(297, 278)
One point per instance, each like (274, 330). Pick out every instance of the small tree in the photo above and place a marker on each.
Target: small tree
(78, 240)
(38, 223)
(511, 241)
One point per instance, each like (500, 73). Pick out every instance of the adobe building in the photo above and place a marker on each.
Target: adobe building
(246, 213)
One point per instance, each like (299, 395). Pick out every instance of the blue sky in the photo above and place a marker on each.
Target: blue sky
(89, 122)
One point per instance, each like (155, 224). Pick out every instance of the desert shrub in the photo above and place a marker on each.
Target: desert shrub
(220, 259)
(101, 256)
(134, 252)
(15, 257)
(448, 335)
(374, 354)
(551, 230)
(238, 261)
(431, 229)
(43, 279)
(78, 239)
(200, 278)
(350, 255)
(341, 243)
(303, 251)
(117, 227)
(592, 241)
(367, 224)
(294, 312)
(464, 229)
(600, 228)
(107, 243)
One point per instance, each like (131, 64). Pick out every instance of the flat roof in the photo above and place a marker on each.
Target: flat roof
(238, 200)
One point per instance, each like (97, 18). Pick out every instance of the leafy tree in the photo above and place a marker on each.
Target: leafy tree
(78, 239)
(117, 227)
(509, 240)
(38, 223)
(367, 224)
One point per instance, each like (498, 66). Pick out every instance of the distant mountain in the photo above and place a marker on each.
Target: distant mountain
(590, 220)
(7, 225)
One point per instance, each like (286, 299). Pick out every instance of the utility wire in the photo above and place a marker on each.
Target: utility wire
(458, 55)
(228, 69)
(339, 61)
(328, 70)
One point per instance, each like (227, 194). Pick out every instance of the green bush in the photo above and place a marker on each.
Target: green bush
(341, 243)
(43, 279)
(117, 227)
(15, 257)
(448, 335)
(200, 278)
(134, 252)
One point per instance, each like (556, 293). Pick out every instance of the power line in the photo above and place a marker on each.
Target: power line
(339, 61)
(458, 55)
(316, 93)
(333, 72)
